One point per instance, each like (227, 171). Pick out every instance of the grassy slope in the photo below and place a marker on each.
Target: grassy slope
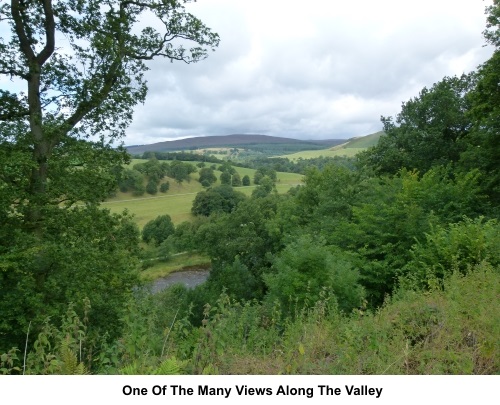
(178, 200)
(364, 141)
(176, 263)
(310, 154)
(349, 149)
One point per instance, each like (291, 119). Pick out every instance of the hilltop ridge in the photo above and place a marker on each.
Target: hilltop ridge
(233, 140)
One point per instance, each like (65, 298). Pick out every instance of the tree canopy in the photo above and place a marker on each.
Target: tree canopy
(76, 70)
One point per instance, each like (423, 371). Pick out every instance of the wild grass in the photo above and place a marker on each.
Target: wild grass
(450, 331)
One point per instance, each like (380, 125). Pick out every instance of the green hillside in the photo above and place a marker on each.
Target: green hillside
(349, 148)
(362, 141)
(178, 200)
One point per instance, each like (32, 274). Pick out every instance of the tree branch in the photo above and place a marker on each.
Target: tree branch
(50, 27)
(24, 42)
(87, 106)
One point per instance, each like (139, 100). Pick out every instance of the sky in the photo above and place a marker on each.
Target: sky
(315, 69)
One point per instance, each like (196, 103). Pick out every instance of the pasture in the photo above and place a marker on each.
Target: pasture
(178, 200)
(349, 149)
(310, 154)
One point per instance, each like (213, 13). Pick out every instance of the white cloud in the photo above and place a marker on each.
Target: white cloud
(316, 69)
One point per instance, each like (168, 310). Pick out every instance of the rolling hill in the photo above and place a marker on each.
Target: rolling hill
(235, 140)
(348, 148)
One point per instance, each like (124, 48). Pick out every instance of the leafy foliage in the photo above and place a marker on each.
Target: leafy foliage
(305, 269)
(218, 199)
(427, 131)
(158, 230)
(59, 157)
(457, 248)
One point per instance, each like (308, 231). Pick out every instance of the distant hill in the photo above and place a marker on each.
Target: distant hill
(362, 141)
(234, 141)
(349, 148)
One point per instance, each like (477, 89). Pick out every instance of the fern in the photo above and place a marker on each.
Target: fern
(130, 369)
(170, 366)
(68, 362)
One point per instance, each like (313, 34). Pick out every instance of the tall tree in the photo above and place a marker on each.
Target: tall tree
(76, 71)
(484, 140)
(428, 130)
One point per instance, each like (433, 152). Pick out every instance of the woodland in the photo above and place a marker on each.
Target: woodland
(384, 263)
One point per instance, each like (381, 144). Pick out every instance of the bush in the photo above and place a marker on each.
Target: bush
(458, 247)
(165, 187)
(151, 187)
(158, 230)
(305, 269)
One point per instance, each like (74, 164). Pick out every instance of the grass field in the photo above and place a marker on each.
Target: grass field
(310, 154)
(349, 149)
(365, 141)
(178, 200)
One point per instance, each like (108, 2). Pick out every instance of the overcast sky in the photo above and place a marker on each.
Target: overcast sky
(309, 69)
(312, 69)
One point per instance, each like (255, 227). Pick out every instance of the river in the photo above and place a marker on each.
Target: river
(190, 278)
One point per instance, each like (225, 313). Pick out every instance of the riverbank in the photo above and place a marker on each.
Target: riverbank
(188, 277)
(180, 262)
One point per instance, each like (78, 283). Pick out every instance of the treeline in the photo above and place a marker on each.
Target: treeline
(150, 176)
(300, 166)
(184, 156)
(252, 161)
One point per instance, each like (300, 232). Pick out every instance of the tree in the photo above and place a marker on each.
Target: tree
(492, 31)
(180, 171)
(483, 142)
(218, 199)
(265, 187)
(264, 171)
(84, 90)
(246, 180)
(428, 131)
(236, 180)
(152, 187)
(158, 230)
(225, 178)
(130, 180)
(227, 167)
(165, 187)
(257, 177)
(58, 136)
(207, 174)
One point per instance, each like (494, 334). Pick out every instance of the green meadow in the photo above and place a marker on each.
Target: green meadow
(310, 154)
(348, 149)
(178, 200)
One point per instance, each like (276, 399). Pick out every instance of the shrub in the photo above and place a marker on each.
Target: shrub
(158, 229)
(457, 247)
(306, 268)
(165, 187)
